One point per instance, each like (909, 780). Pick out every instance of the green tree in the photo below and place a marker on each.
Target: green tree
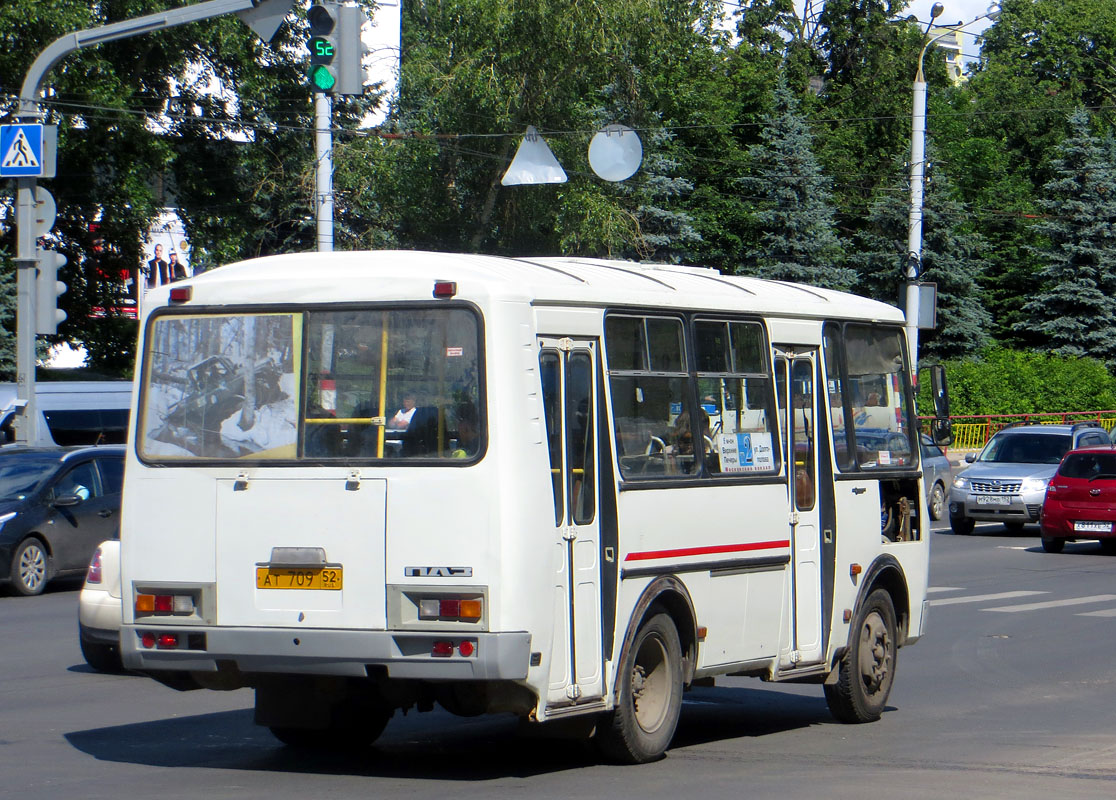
(799, 242)
(1040, 61)
(465, 102)
(1075, 303)
(863, 113)
(951, 258)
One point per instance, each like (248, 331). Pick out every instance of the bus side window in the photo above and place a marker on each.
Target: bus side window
(648, 382)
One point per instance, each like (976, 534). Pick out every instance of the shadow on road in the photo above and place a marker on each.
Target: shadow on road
(436, 745)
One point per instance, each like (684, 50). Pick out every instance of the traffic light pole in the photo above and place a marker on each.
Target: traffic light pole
(262, 16)
(26, 427)
(323, 151)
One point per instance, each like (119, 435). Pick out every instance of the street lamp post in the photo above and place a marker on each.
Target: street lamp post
(913, 266)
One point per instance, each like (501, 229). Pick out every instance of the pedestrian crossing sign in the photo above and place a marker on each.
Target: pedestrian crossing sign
(21, 151)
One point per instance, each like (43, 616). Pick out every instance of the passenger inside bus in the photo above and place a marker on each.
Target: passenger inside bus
(404, 415)
(467, 434)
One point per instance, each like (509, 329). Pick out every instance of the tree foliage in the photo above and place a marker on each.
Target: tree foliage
(795, 214)
(1074, 306)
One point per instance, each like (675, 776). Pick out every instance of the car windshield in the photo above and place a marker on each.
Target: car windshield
(20, 476)
(1089, 466)
(1026, 448)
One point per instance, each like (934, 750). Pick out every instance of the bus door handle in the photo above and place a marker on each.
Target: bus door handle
(105, 512)
(859, 490)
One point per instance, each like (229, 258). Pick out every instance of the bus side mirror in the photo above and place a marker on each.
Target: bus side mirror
(941, 429)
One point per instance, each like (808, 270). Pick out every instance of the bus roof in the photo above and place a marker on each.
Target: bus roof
(386, 275)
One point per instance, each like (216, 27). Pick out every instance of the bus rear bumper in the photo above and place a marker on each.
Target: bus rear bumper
(297, 651)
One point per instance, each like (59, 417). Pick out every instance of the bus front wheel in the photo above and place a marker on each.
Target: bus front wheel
(867, 670)
(649, 702)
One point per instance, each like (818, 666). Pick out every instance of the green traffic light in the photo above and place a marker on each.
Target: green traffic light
(321, 78)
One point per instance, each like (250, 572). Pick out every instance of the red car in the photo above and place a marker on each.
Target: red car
(1081, 500)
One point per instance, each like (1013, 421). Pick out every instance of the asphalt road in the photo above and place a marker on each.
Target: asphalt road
(1009, 695)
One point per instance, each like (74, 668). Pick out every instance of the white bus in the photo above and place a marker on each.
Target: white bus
(600, 496)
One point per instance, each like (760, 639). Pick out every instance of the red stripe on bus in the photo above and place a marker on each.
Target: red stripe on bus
(704, 551)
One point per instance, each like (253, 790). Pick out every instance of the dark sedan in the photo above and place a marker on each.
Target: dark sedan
(56, 506)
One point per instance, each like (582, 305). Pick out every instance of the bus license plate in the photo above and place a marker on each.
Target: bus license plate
(327, 578)
(1093, 527)
(992, 500)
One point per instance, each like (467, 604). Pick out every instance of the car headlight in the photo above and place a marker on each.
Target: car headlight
(960, 482)
(5, 517)
(1034, 484)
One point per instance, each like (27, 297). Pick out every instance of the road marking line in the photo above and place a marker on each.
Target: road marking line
(1108, 612)
(980, 598)
(943, 589)
(1073, 601)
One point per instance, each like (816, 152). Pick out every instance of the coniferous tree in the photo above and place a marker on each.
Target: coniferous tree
(1075, 304)
(799, 241)
(951, 258)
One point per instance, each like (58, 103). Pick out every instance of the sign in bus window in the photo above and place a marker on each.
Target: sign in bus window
(219, 387)
(734, 385)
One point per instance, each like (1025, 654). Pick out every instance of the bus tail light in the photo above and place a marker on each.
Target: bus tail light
(445, 288)
(450, 608)
(445, 649)
(164, 604)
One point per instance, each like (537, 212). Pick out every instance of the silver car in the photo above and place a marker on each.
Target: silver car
(1006, 482)
(938, 474)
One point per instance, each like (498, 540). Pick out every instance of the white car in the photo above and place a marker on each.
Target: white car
(100, 609)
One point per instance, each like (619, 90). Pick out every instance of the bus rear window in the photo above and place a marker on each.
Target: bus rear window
(317, 385)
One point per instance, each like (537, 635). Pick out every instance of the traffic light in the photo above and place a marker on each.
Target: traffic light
(47, 290)
(336, 51)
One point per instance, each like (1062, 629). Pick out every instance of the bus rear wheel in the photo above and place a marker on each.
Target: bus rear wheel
(649, 702)
(867, 670)
(321, 714)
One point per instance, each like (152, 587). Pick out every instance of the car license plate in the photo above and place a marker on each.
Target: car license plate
(327, 578)
(992, 500)
(1092, 527)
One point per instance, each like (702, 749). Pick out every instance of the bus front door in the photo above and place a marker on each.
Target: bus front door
(795, 368)
(569, 378)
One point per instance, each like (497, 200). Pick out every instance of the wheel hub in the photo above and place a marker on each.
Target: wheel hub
(875, 653)
(32, 567)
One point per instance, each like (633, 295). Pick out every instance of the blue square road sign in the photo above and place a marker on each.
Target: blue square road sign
(21, 151)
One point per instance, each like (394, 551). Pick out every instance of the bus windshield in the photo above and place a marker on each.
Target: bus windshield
(366, 384)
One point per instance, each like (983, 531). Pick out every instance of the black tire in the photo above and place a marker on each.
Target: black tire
(30, 568)
(937, 501)
(1108, 546)
(1014, 527)
(649, 701)
(102, 657)
(1053, 545)
(867, 670)
(353, 728)
(962, 526)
